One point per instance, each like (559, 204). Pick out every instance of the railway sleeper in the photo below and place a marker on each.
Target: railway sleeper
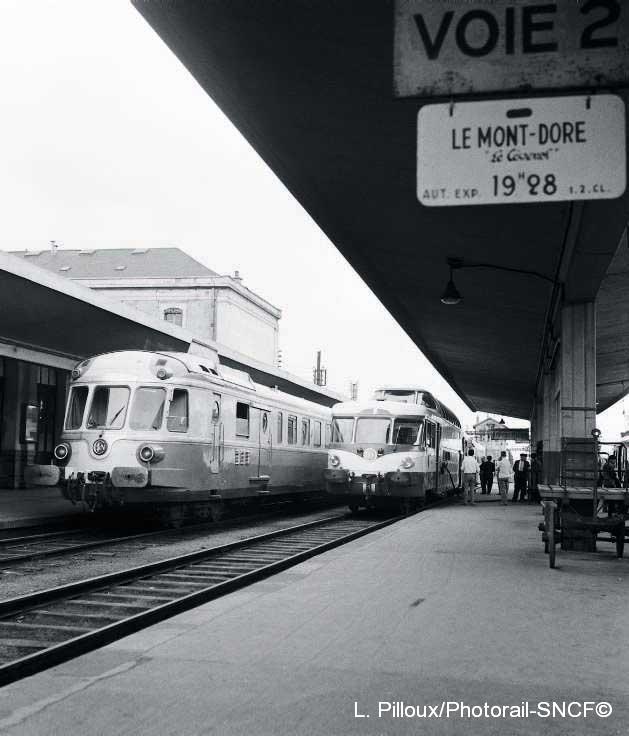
(87, 606)
(171, 592)
(206, 579)
(92, 620)
(120, 599)
(48, 634)
(11, 649)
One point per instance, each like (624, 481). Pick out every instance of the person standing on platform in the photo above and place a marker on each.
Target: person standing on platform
(521, 472)
(503, 471)
(469, 468)
(487, 470)
(536, 474)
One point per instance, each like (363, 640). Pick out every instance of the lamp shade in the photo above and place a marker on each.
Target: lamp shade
(451, 294)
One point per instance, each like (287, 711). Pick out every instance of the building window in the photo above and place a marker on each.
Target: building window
(178, 411)
(292, 430)
(174, 315)
(242, 419)
(280, 427)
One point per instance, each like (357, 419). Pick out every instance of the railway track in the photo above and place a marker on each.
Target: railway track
(36, 546)
(15, 550)
(46, 628)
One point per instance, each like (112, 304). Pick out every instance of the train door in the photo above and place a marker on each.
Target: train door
(261, 430)
(217, 435)
(431, 455)
(438, 459)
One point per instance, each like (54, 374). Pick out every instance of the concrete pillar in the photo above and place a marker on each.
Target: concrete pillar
(578, 370)
(569, 400)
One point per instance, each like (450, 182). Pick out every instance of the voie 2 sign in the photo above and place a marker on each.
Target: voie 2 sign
(531, 150)
(453, 47)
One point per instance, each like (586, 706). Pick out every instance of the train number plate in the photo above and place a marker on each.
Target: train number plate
(533, 150)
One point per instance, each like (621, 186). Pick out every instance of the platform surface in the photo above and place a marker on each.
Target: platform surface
(26, 507)
(453, 604)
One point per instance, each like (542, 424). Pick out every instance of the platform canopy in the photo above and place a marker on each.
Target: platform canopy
(46, 317)
(310, 85)
(51, 314)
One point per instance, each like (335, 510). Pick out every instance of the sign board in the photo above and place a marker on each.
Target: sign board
(535, 150)
(456, 47)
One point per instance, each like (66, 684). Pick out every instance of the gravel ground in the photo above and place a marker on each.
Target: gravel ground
(35, 575)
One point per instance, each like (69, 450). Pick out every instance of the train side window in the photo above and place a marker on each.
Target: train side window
(292, 430)
(242, 419)
(280, 427)
(178, 411)
(431, 434)
(305, 431)
(76, 407)
(317, 434)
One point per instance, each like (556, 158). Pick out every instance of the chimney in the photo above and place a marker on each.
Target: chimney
(53, 247)
(237, 276)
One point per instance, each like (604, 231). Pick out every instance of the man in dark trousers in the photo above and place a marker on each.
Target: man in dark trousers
(521, 471)
(487, 470)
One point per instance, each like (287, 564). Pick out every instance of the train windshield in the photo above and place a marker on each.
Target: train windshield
(408, 431)
(404, 396)
(373, 429)
(108, 408)
(147, 410)
(342, 428)
(76, 407)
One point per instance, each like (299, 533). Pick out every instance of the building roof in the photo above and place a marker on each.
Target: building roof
(122, 263)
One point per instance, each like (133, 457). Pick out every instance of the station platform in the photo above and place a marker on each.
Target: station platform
(28, 507)
(453, 605)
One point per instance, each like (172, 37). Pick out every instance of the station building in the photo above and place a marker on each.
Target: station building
(50, 322)
(495, 436)
(168, 284)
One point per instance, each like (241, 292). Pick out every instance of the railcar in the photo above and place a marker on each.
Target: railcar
(183, 435)
(398, 449)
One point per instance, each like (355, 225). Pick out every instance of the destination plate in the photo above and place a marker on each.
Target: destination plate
(532, 150)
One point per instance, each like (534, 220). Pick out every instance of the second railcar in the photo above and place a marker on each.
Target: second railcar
(395, 450)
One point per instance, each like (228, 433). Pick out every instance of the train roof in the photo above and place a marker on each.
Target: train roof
(391, 408)
(441, 409)
(142, 365)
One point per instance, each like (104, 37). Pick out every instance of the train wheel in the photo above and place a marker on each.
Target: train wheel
(406, 506)
(217, 510)
(353, 507)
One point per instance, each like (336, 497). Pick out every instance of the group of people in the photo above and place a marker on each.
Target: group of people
(525, 476)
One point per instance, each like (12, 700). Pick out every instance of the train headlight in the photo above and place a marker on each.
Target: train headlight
(335, 461)
(163, 373)
(407, 463)
(62, 452)
(150, 453)
(80, 369)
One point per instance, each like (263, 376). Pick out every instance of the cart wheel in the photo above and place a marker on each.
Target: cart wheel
(550, 531)
(620, 541)
(549, 528)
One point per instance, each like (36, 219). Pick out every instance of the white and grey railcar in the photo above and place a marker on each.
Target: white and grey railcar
(397, 449)
(177, 431)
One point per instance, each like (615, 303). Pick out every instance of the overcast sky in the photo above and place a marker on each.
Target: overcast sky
(107, 141)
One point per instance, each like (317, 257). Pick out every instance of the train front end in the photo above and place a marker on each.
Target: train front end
(377, 455)
(114, 445)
